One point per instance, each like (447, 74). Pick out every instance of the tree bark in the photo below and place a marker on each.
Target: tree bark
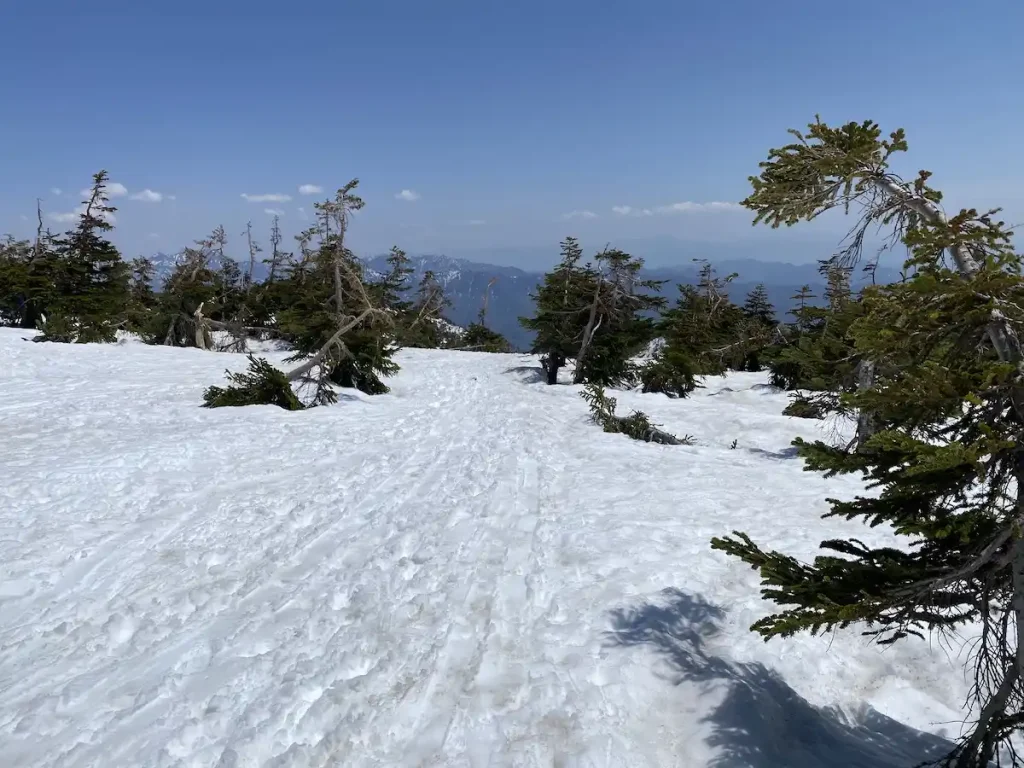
(867, 424)
(588, 332)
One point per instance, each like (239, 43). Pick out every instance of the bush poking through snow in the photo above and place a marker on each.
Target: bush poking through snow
(637, 425)
(262, 384)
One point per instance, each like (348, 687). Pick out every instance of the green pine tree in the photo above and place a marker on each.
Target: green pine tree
(616, 324)
(760, 327)
(426, 325)
(561, 302)
(332, 311)
(92, 280)
(946, 457)
(704, 333)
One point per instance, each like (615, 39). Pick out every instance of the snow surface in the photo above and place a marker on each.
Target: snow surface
(465, 572)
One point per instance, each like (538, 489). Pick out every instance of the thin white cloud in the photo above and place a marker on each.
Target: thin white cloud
(273, 211)
(56, 191)
(148, 196)
(73, 216)
(270, 198)
(114, 189)
(310, 189)
(475, 222)
(24, 217)
(302, 214)
(579, 215)
(628, 210)
(408, 195)
(153, 235)
(690, 207)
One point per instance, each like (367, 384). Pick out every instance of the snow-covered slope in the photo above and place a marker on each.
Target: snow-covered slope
(464, 572)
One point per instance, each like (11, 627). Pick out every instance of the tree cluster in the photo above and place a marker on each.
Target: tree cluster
(343, 326)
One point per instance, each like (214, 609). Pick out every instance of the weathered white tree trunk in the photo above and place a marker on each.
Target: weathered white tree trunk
(593, 323)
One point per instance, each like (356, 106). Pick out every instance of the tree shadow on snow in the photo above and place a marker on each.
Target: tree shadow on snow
(785, 453)
(528, 374)
(762, 722)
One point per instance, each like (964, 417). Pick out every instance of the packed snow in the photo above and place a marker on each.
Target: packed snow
(464, 572)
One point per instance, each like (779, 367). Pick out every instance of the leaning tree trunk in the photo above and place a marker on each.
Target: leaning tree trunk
(593, 322)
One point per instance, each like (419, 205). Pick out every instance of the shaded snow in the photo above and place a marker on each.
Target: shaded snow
(464, 572)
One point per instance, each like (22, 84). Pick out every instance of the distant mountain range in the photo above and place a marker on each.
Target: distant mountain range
(465, 283)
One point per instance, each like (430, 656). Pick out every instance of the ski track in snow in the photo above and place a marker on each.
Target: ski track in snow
(464, 572)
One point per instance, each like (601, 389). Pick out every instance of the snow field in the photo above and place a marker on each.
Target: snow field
(464, 572)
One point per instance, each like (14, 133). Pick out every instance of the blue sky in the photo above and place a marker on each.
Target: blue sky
(509, 125)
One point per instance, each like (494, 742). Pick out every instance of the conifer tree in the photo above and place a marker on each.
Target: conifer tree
(92, 279)
(427, 326)
(947, 453)
(704, 336)
(561, 301)
(191, 287)
(16, 296)
(760, 327)
(478, 336)
(143, 300)
(616, 325)
(394, 284)
(332, 316)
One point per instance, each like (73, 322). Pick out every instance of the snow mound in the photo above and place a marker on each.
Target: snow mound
(464, 572)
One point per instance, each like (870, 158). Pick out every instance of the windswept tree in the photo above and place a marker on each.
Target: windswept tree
(617, 321)
(91, 294)
(561, 302)
(340, 333)
(426, 324)
(704, 335)
(187, 292)
(478, 336)
(596, 313)
(947, 452)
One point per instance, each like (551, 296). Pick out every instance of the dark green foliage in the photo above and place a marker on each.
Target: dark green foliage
(142, 301)
(192, 284)
(705, 335)
(393, 285)
(616, 326)
(74, 287)
(760, 327)
(262, 384)
(479, 338)
(310, 321)
(671, 372)
(804, 408)
(424, 323)
(637, 425)
(23, 295)
(946, 459)
(593, 313)
(329, 292)
(561, 302)
(815, 355)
